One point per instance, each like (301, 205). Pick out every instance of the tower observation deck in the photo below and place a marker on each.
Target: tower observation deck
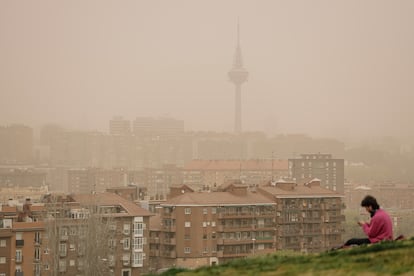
(238, 75)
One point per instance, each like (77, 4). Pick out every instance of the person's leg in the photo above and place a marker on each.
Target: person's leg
(357, 242)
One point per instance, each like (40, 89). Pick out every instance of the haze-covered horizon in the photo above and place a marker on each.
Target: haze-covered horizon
(325, 68)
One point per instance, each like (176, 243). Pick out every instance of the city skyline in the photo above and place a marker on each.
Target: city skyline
(335, 69)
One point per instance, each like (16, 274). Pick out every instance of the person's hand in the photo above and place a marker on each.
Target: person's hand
(360, 223)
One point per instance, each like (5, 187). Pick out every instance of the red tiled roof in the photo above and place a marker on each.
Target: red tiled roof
(230, 165)
(108, 199)
(300, 191)
(217, 198)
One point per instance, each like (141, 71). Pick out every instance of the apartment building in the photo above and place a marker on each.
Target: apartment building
(308, 217)
(119, 126)
(207, 174)
(21, 177)
(16, 145)
(97, 234)
(157, 127)
(87, 180)
(322, 166)
(21, 233)
(157, 181)
(207, 228)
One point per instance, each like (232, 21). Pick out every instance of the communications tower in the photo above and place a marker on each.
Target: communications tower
(238, 75)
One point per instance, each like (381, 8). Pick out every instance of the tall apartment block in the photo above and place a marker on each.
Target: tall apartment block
(206, 228)
(207, 174)
(322, 166)
(119, 126)
(21, 237)
(16, 145)
(87, 180)
(96, 234)
(157, 127)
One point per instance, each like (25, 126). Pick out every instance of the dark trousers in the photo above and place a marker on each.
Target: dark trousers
(357, 242)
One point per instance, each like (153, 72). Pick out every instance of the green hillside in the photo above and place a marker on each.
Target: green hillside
(387, 258)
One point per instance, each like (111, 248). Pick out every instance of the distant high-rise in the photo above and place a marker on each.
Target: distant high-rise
(119, 126)
(328, 170)
(238, 75)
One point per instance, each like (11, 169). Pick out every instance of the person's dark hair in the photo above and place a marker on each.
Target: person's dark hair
(370, 201)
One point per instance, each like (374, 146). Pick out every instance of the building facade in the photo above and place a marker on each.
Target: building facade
(21, 235)
(207, 228)
(322, 166)
(208, 174)
(97, 234)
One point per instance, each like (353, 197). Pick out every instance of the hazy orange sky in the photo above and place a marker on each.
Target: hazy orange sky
(326, 68)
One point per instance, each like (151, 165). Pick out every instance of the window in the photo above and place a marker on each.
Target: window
(62, 249)
(126, 272)
(138, 228)
(138, 244)
(127, 227)
(2, 243)
(187, 211)
(19, 256)
(213, 210)
(213, 224)
(204, 224)
(126, 243)
(37, 237)
(205, 211)
(37, 253)
(2, 260)
(73, 231)
(62, 265)
(137, 259)
(71, 262)
(205, 250)
(187, 237)
(19, 236)
(187, 224)
(111, 243)
(187, 250)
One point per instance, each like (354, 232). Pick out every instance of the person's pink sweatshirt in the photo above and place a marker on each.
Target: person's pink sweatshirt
(379, 228)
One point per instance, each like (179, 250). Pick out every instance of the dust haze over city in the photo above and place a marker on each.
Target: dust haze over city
(326, 68)
(167, 111)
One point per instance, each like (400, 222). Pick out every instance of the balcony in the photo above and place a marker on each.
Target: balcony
(155, 240)
(169, 228)
(18, 273)
(64, 237)
(169, 215)
(234, 228)
(19, 242)
(312, 232)
(154, 253)
(235, 215)
(170, 241)
(312, 220)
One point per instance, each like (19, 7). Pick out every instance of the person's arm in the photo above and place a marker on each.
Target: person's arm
(373, 229)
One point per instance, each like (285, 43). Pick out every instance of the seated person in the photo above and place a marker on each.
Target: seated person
(379, 228)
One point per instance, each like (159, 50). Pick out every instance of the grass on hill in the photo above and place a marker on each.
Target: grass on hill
(386, 258)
